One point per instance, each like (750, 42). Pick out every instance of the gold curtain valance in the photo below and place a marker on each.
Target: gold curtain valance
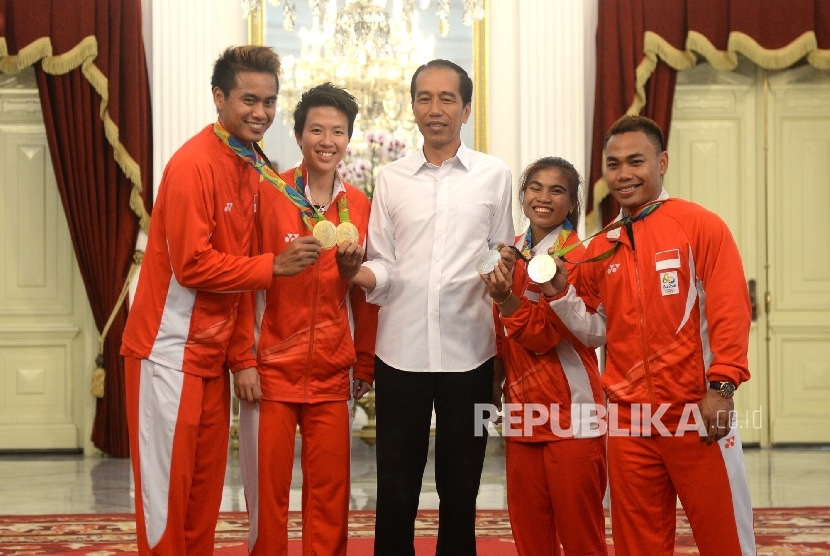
(82, 55)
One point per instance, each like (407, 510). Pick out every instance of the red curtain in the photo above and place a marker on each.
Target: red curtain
(642, 43)
(95, 188)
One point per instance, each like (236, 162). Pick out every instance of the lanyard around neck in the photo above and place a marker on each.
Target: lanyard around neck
(635, 216)
(261, 164)
(564, 233)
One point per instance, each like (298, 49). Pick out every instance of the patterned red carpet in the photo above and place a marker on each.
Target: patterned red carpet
(779, 531)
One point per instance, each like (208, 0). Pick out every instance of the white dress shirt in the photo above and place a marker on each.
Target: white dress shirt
(428, 228)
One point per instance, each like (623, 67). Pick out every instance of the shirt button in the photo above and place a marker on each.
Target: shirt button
(440, 234)
(442, 209)
(435, 284)
(437, 259)
(434, 313)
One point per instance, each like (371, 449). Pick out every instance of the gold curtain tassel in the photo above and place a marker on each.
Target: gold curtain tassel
(99, 374)
(99, 377)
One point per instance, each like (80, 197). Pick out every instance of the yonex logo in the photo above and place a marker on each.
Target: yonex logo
(729, 442)
(291, 237)
(612, 268)
(228, 207)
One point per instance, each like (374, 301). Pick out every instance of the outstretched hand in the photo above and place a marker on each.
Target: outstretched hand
(499, 281)
(508, 256)
(559, 282)
(717, 413)
(360, 388)
(349, 257)
(299, 254)
(246, 385)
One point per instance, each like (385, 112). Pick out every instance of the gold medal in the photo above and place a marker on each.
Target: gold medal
(542, 268)
(326, 233)
(346, 231)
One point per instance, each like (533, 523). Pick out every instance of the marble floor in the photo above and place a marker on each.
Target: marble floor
(72, 483)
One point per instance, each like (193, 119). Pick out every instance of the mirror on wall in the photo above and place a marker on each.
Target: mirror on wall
(383, 111)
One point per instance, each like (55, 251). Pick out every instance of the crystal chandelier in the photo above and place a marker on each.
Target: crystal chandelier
(362, 47)
(473, 10)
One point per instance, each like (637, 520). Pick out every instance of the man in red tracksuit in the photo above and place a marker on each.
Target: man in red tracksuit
(665, 285)
(189, 305)
(306, 345)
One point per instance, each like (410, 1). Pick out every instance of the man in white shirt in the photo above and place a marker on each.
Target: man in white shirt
(434, 214)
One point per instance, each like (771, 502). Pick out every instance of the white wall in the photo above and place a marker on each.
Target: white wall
(186, 37)
(542, 56)
(182, 39)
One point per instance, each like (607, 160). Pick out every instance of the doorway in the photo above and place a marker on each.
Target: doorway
(754, 147)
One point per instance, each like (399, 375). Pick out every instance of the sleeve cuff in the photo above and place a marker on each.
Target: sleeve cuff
(235, 368)
(561, 295)
(721, 373)
(364, 376)
(378, 295)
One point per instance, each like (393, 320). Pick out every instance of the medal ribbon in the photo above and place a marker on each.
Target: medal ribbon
(639, 214)
(261, 164)
(564, 233)
(527, 244)
(343, 209)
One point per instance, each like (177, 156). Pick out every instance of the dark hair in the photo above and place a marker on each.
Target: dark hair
(635, 122)
(465, 88)
(571, 176)
(326, 94)
(236, 59)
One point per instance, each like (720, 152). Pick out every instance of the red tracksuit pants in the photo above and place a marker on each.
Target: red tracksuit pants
(648, 474)
(267, 432)
(554, 495)
(178, 425)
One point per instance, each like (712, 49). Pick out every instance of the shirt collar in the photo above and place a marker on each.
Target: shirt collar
(419, 160)
(338, 188)
(546, 243)
(664, 196)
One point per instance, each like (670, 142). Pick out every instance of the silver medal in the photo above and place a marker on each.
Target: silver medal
(542, 268)
(488, 262)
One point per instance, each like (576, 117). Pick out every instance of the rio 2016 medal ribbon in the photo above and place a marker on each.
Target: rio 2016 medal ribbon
(326, 233)
(488, 261)
(346, 231)
(542, 268)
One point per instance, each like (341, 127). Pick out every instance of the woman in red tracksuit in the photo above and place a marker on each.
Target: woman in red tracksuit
(555, 452)
(306, 346)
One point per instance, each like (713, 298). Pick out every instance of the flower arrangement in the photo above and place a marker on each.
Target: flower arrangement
(367, 155)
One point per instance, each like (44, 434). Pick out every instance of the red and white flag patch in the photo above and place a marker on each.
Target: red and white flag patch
(667, 259)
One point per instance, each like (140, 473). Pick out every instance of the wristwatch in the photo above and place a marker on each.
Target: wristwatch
(725, 389)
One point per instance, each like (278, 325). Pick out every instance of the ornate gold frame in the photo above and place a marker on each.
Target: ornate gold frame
(481, 70)
(481, 75)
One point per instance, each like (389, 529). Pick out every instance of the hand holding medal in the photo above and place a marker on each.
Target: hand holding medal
(552, 281)
(488, 261)
(349, 258)
(491, 258)
(330, 235)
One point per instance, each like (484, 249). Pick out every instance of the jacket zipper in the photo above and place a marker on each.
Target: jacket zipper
(311, 332)
(641, 313)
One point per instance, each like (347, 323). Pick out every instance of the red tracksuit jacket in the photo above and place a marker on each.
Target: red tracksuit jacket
(543, 366)
(304, 346)
(196, 262)
(672, 304)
